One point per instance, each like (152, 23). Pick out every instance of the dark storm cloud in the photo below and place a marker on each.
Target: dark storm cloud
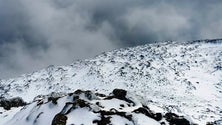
(34, 34)
(15, 26)
(140, 22)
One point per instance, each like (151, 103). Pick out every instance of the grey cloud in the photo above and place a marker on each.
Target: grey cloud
(34, 34)
(15, 26)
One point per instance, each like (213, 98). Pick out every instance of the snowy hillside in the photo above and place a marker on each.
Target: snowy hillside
(179, 77)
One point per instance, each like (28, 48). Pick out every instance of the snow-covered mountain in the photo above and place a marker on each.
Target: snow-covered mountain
(184, 78)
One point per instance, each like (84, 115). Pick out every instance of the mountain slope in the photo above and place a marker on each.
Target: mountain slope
(180, 77)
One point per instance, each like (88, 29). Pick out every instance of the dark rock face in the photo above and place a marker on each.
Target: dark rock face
(174, 119)
(7, 104)
(119, 93)
(59, 119)
(146, 111)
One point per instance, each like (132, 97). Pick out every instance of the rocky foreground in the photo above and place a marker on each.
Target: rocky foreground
(88, 108)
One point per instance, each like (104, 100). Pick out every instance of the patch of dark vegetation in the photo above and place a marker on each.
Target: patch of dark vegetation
(7, 104)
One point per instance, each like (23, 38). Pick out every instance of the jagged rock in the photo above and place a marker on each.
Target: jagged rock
(7, 104)
(119, 93)
(174, 119)
(53, 99)
(59, 119)
(86, 107)
(146, 111)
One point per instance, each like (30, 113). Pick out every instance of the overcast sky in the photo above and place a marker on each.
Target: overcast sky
(38, 33)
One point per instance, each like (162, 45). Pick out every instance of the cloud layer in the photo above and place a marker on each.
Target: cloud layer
(34, 34)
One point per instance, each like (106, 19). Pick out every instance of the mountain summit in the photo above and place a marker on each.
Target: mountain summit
(181, 78)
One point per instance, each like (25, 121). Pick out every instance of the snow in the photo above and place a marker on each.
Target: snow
(6, 115)
(118, 120)
(181, 78)
(143, 120)
(82, 117)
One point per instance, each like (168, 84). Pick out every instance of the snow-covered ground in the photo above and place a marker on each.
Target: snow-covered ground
(88, 108)
(180, 77)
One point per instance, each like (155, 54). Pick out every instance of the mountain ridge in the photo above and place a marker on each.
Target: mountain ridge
(181, 77)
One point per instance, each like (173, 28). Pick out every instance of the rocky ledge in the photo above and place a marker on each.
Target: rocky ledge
(88, 108)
